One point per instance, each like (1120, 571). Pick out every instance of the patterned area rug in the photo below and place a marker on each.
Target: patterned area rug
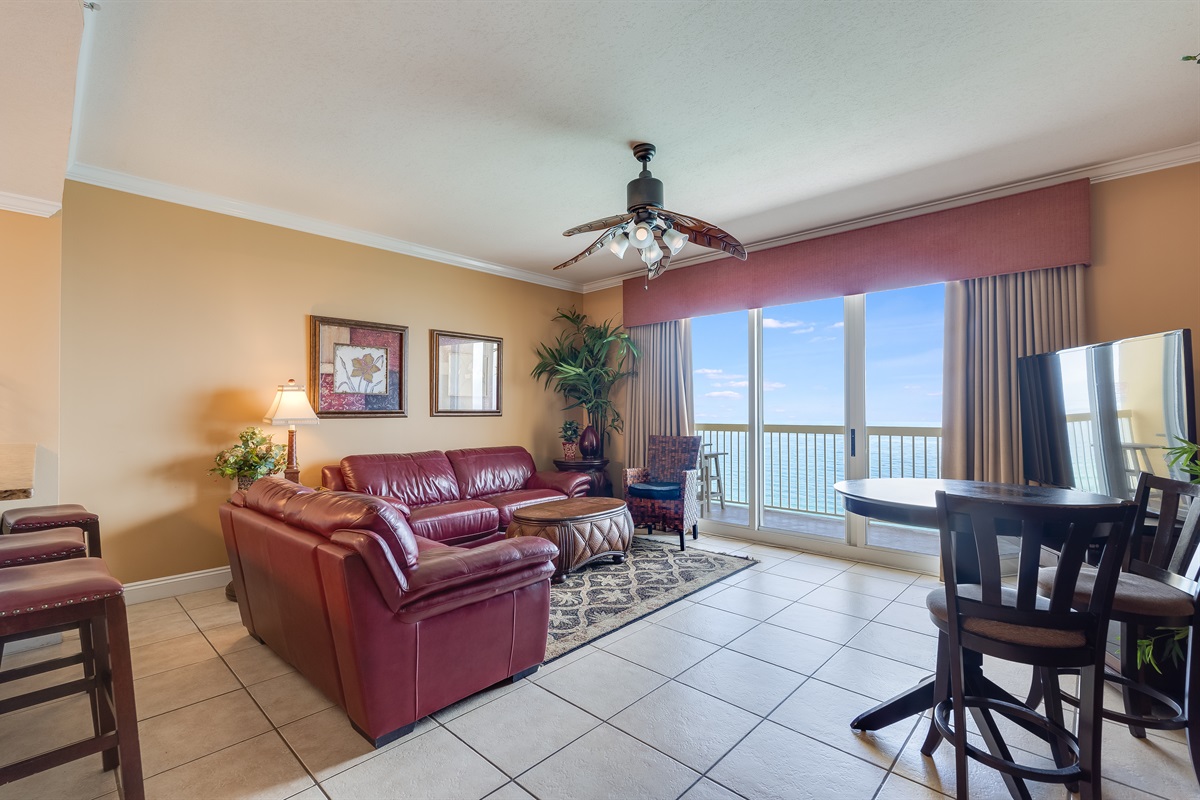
(602, 597)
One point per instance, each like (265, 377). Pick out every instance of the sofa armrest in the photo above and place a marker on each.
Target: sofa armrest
(454, 567)
(635, 475)
(331, 478)
(388, 577)
(572, 484)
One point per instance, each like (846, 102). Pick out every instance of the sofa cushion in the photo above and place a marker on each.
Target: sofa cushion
(454, 519)
(326, 512)
(488, 470)
(269, 495)
(415, 479)
(508, 502)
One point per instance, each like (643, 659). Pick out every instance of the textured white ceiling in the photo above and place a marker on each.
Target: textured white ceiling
(39, 46)
(486, 129)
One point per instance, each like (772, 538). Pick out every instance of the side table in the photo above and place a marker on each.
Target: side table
(597, 470)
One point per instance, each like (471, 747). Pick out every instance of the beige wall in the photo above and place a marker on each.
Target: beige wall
(177, 326)
(1145, 273)
(29, 327)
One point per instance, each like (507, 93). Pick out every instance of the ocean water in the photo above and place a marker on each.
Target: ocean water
(800, 469)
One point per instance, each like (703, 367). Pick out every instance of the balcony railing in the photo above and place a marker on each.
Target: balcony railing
(801, 463)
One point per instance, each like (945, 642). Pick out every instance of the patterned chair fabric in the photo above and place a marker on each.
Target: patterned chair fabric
(671, 460)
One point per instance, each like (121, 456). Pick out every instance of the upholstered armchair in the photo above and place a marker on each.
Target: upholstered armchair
(663, 494)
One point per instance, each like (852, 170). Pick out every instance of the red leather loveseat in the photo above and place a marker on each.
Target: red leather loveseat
(458, 496)
(389, 625)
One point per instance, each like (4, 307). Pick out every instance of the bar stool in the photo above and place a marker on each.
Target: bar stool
(37, 599)
(40, 518)
(710, 471)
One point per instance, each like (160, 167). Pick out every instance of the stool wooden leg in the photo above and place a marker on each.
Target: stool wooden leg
(92, 529)
(103, 660)
(121, 671)
(1136, 704)
(941, 691)
(89, 671)
(1191, 697)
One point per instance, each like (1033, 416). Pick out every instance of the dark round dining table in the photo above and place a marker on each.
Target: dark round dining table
(913, 501)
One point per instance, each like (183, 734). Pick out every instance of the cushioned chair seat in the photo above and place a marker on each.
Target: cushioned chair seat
(1003, 631)
(1135, 594)
(654, 490)
(55, 544)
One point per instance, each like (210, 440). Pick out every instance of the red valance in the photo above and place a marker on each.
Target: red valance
(1043, 228)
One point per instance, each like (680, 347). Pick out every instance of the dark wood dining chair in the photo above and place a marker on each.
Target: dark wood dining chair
(1159, 588)
(978, 613)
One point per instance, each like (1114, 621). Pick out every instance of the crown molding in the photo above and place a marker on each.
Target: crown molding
(157, 190)
(1097, 173)
(120, 181)
(28, 205)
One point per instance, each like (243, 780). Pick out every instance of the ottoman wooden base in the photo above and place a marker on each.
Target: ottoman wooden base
(583, 528)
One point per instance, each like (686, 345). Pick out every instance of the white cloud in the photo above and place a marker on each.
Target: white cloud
(775, 323)
(836, 325)
(733, 384)
(817, 339)
(708, 371)
(771, 386)
(934, 394)
(809, 329)
(732, 395)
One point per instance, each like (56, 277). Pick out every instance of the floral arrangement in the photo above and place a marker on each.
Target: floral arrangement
(254, 456)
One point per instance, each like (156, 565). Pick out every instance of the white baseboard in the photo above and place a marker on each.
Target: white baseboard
(144, 592)
(173, 585)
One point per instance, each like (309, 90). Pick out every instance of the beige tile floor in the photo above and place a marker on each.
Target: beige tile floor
(745, 689)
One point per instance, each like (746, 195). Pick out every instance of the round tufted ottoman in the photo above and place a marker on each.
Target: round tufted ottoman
(583, 528)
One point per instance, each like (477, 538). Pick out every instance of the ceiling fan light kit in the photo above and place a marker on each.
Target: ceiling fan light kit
(657, 233)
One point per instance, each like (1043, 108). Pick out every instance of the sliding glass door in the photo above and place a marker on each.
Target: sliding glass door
(792, 399)
(803, 417)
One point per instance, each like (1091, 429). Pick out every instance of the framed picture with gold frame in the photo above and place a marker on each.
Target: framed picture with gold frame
(356, 368)
(466, 373)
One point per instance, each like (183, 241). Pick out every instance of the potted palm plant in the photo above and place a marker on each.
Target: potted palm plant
(583, 364)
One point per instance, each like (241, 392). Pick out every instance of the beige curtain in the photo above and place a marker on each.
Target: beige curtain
(660, 393)
(990, 323)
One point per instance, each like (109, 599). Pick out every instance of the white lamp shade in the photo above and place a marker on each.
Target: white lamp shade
(619, 245)
(641, 236)
(652, 253)
(291, 407)
(674, 240)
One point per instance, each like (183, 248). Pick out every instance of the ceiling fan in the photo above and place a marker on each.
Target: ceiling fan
(656, 233)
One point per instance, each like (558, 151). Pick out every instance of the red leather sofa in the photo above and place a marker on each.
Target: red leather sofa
(459, 496)
(390, 625)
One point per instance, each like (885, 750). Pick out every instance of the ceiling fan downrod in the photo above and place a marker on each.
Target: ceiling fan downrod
(644, 191)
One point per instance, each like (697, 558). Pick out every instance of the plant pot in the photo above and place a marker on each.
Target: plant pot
(244, 481)
(589, 443)
(570, 451)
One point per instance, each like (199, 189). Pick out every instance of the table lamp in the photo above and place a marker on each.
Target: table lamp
(291, 408)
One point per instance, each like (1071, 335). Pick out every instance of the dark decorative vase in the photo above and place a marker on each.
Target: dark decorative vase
(589, 443)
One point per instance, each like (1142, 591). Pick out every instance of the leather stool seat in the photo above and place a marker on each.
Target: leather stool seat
(55, 544)
(66, 515)
(37, 587)
(38, 599)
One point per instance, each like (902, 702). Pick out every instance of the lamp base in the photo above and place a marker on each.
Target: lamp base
(292, 475)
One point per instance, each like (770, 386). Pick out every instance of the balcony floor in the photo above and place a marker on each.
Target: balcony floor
(894, 537)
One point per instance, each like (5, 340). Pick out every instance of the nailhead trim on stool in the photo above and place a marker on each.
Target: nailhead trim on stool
(69, 602)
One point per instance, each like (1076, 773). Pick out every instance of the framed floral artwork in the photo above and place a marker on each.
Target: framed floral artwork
(466, 373)
(356, 368)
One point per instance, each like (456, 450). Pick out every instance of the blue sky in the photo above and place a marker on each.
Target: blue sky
(803, 347)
